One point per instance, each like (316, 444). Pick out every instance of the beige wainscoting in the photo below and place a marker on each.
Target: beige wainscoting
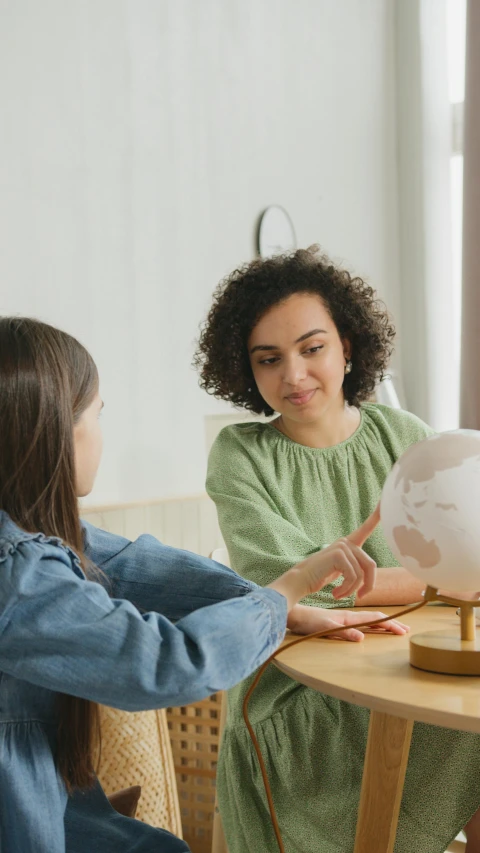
(187, 522)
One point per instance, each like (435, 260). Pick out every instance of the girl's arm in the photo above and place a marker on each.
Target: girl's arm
(66, 634)
(154, 576)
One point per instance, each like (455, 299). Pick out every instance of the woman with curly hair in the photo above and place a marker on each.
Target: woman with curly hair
(295, 337)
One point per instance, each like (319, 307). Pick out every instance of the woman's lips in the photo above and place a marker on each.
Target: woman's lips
(301, 399)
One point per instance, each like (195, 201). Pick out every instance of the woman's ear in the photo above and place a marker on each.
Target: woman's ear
(347, 349)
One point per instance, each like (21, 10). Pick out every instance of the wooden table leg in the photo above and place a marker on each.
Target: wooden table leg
(386, 761)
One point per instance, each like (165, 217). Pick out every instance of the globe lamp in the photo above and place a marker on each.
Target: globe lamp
(430, 513)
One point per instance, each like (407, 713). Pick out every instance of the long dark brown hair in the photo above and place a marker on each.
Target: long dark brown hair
(47, 380)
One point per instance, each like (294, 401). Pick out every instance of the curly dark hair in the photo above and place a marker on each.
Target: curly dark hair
(243, 297)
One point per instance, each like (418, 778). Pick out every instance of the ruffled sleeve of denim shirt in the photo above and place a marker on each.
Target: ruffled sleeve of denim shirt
(64, 633)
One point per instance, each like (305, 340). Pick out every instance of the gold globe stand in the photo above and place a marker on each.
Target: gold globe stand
(446, 651)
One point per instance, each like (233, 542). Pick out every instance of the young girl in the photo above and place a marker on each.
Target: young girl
(70, 631)
(297, 337)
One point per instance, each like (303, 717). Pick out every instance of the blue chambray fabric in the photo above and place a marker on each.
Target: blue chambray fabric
(95, 826)
(204, 629)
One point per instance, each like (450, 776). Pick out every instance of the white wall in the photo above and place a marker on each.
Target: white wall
(139, 141)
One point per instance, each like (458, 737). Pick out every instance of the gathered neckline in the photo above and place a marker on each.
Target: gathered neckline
(321, 450)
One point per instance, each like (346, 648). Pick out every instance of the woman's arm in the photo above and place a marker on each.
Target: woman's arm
(397, 586)
(392, 586)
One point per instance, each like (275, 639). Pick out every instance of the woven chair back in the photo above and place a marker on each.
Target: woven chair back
(136, 751)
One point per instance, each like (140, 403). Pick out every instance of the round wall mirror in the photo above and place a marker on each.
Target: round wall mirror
(275, 233)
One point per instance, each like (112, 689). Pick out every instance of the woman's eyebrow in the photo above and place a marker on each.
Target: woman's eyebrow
(304, 337)
(309, 335)
(263, 347)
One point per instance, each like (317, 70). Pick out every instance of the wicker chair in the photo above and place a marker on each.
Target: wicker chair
(136, 750)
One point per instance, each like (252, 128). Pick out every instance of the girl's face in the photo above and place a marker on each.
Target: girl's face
(88, 441)
(298, 359)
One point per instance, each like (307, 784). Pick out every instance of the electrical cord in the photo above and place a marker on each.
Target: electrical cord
(254, 684)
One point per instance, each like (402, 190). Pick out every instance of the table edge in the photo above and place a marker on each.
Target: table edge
(444, 719)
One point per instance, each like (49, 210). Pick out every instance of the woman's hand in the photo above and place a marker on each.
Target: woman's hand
(309, 620)
(345, 557)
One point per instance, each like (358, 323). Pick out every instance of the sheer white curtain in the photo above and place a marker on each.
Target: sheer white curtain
(470, 364)
(427, 323)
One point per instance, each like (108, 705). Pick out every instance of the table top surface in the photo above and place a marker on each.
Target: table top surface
(377, 674)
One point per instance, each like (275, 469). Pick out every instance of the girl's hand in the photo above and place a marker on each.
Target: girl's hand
(309, 620)
(345, 557)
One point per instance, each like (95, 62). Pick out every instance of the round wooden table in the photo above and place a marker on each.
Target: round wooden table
(377, 674)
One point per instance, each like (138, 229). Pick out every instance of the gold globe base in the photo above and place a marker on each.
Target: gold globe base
(446, 651)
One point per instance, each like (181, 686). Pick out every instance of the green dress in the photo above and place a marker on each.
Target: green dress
(278, 501)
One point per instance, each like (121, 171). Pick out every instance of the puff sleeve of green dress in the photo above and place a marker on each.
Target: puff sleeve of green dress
(277, 502)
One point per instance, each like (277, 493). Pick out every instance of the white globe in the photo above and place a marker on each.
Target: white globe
(430, 510)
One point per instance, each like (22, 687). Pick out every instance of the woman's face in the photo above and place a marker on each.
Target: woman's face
(298, 359)
(88, 441)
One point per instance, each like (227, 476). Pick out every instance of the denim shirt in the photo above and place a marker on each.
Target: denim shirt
(205, 629)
